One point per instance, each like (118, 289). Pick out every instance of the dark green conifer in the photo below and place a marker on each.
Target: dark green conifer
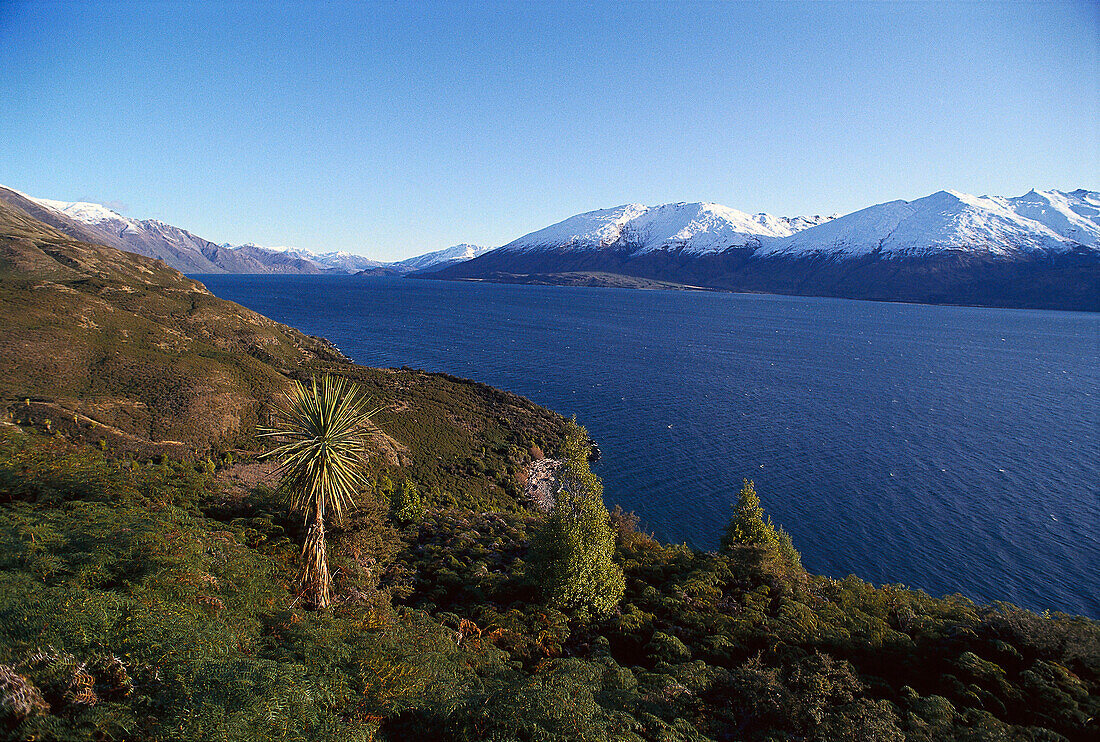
(572, 553)
(748, 527)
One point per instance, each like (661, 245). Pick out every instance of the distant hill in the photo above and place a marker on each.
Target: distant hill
(1039, 250)
(191, 254)
(300, 260)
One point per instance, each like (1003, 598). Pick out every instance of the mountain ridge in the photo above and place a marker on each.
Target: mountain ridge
(191, 254)
(696, 227)
(1039, 250)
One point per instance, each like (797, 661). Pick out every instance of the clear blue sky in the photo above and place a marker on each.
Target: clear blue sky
(394, 129)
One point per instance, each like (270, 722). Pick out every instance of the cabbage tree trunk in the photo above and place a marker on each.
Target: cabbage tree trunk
(314, 577)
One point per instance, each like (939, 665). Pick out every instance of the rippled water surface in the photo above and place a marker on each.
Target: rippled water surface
(946, 448)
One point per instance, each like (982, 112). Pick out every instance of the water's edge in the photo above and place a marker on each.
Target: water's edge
(947, 448)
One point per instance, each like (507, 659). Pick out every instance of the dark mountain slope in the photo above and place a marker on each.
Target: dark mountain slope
(1069, 281)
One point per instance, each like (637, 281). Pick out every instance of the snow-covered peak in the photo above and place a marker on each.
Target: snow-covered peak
(454, 254)
(85, 212)
(698, 227)
(1075, 215)
(951, 220)
(693, 227)
(599, 228)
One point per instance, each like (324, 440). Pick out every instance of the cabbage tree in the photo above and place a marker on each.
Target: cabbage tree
(323, 432)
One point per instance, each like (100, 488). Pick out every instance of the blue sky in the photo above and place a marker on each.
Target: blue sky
(394, 129)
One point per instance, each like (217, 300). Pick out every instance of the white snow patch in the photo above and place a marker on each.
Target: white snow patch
(692, 227)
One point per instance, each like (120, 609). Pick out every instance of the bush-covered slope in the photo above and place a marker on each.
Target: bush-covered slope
(132, 607)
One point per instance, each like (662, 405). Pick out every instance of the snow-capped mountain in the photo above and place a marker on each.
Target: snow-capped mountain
(1048, 221)
(180, 248)
(1074, 215)
(343, 261)
(1041, 249)
(446, 256)
(638, 229)
(176, 247)
(189, 253)
(947, 220)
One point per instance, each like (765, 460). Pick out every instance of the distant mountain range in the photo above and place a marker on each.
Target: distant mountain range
(189, 253)
(1038, 250)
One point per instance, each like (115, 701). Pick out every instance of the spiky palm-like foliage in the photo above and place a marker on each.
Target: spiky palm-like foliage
(323, 434)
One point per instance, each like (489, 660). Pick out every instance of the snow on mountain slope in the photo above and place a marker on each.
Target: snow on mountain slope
(700, 228)
(96, 215)
(949, 220)
(600, 228)
(1074, 216)
(439, 257)
(348, 262)
(692, 227)
(176, 247)
(189, 253)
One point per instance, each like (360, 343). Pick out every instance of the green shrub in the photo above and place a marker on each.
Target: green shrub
(408, 507)
(573, 550)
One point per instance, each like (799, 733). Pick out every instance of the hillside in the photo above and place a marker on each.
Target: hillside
(1040, 250)
(104, 344)
(129, 345)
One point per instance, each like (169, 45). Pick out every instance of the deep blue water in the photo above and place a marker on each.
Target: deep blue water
(946, 448)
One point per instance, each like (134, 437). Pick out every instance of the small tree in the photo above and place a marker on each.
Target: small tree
(751, 530)
(322, 431)
(748, 527)
(408, 507)
(572, 552)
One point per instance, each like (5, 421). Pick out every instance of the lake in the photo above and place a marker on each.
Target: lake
(951, 449)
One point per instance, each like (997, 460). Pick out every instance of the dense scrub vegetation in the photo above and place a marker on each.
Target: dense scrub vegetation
(137, 602)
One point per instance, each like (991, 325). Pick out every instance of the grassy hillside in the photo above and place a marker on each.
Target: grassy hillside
(121, 344)
(104, 345)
